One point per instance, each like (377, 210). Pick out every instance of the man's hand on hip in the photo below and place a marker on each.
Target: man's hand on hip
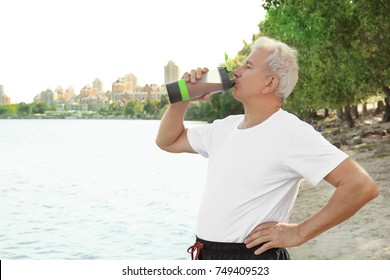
(273, 235)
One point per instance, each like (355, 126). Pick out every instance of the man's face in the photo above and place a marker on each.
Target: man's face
(251, 76)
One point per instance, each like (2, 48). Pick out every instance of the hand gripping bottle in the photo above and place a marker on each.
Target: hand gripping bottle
(213, 81)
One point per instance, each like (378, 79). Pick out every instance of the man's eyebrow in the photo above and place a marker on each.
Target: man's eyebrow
(248, 62)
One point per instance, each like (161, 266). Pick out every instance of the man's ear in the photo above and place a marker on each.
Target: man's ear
(272, 84)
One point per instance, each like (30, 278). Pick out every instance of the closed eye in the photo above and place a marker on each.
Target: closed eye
(248, 65)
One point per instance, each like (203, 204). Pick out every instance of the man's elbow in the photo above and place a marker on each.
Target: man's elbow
(374, 190)
(162, 145)
(175, 145)
(170, 148)
(370, 189)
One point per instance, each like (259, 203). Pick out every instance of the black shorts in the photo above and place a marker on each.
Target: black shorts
(208, 250)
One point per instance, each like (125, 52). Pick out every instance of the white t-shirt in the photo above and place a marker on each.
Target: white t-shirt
(254, 174)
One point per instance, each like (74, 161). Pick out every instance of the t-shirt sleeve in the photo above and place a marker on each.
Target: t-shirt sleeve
(309, 154)
(200, 138)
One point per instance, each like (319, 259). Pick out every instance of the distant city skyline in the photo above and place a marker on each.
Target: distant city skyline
(45, 44)
(171, 73)
(97, 83)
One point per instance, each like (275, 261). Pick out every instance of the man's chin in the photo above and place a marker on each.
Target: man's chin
(235, 95)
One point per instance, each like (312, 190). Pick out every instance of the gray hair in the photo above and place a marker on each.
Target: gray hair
(282, 62)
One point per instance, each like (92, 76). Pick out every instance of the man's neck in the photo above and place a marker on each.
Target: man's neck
(254, 115)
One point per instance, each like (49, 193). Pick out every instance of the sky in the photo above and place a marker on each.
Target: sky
(50, 43)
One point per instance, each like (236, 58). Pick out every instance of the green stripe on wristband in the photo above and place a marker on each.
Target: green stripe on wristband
(183, 90)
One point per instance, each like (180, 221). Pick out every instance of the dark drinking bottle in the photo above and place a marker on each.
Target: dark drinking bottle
(217, 80)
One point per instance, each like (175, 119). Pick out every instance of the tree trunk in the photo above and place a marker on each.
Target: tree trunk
(380, 107)
(348, 116)
(355, 111)
(365, 111)
(340, 113)
(326, 114)
(386, 116)
(313, 114)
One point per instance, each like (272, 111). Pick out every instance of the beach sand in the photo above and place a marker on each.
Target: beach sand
(366, 235)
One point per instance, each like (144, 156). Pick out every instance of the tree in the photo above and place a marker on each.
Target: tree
(4, 110)
(115, 109)
(164, 101)
(375, 37)
(23, 109)
(39, 108)
(338, 55)
(150, 108)
(133, 109)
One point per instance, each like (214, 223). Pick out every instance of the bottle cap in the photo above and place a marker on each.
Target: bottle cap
(226, 81)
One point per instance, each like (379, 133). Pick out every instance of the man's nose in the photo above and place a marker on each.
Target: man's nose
(237, 72)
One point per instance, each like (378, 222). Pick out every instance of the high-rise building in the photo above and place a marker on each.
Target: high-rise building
(4, 99)
(171, 72)
(87, 90)
(120, 88)
(2, 95)
(47, 97)
(70, 93)
(132, 79)
(98, 84)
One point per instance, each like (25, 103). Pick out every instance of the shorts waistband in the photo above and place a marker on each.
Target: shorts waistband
(225, 246)
(210, 250)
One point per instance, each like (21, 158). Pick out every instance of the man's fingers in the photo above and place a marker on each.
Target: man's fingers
(193, 75)
(264, 248)
(199, 73)
(187, 76)
(260, 237)
(260, 230)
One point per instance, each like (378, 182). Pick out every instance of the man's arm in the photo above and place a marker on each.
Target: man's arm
(172, 135)
(354, 188)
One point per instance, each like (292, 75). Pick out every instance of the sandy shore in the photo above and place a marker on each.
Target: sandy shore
(365, 236)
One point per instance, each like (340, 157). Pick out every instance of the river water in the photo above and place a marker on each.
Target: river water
(95, 189)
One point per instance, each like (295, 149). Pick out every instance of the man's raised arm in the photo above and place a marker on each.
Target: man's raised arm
(172, 135)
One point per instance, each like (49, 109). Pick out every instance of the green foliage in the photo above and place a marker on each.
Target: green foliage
(133, 109)
(200, 111)
(343, 49)
(220, 106)
(23, 110)
(150, 109)
(114, 108)
(4, 110)
(39, 108)
(164, 101)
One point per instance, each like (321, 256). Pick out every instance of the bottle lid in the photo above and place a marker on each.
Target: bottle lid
(227, 83)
